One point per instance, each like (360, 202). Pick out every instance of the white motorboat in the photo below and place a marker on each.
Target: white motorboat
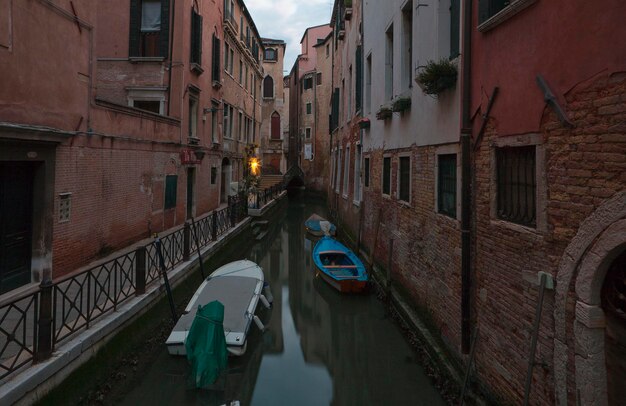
(238, 286)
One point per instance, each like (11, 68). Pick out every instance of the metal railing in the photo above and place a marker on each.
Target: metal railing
(259, 199)
(35, 322)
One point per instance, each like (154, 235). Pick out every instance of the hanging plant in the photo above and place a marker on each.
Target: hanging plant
(364, 123)
(384, 113)
(401, 103)
(436, 77)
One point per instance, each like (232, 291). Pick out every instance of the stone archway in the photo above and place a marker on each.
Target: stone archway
(599, 240)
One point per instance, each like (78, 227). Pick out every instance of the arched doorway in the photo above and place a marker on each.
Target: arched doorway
(614, 305)
(225, 180)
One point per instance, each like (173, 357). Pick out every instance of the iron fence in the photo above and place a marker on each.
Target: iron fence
(259, 199)
(35, 322)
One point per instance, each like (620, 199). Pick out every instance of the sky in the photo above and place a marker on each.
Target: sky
(287, 20)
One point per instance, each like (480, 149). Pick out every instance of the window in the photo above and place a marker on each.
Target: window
(214, 123)
(215, 71)
(346, 171)
(65, 207)
(358, 97)
(389, 64)
(318, 79)
(171, 182)
(327, 50)
(240, 72)
(268, 87)
(308, 108)
(227, 114)
(196, 38)
(455, 22)
(368, 84)
(275, 126)
(232, 61)
(516, 183)
(446, 185)
(226, 56)
(387, 176)
(193, 115)
(338, 173)
(148, 105)
(404, 179)
(213, 175)
(334, 116)
(240, 126)
(489, 8)
(407, 44)
(366, 172)
(307, 83)
(247, 74)
(349, 110)
(307, 133)
(357, 174)
(149, 28)
(270, 54)
(333, 162)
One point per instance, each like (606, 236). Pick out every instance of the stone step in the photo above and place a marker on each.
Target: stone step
(261, 236)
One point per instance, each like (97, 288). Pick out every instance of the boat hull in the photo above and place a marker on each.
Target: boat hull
(339, 266)
(312, 225)
(238, 286)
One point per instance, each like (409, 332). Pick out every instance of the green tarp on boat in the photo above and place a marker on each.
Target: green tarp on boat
(206, 345)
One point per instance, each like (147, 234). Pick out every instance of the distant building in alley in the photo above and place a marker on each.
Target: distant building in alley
(275, 112)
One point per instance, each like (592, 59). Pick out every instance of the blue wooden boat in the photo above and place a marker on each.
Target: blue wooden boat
(339, 266)
(313, 226)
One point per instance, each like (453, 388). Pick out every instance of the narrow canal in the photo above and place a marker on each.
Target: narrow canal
(319, 348)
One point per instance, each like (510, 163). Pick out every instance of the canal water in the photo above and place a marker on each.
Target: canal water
(319, 348)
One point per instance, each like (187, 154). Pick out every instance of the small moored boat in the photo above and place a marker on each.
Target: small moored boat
(339, 266)
(313, 226)
(238, 286)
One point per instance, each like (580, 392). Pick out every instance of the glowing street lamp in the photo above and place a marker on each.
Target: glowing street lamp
(255, 166)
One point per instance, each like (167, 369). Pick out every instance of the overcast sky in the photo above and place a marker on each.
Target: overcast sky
(287, 20)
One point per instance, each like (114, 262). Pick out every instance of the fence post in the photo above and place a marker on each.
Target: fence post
(44, 328)
(186, 242)
(140, 271)
(214, 226)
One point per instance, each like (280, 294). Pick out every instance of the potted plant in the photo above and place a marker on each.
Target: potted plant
(348, 12)
(437, 77)
(364, 123)
(384, 112)
(401, 103)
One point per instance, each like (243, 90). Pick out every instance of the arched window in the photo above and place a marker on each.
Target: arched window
(268, 87)
(275, 131)
(270, 54)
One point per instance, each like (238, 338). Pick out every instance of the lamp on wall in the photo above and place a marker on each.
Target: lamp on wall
(199, 154)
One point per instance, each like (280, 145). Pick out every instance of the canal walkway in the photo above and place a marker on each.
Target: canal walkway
(34, 380)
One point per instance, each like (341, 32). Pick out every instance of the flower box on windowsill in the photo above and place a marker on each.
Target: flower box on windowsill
(216, 146)
(384, 113)
(401, 103)
(364, 123)
(436, 77)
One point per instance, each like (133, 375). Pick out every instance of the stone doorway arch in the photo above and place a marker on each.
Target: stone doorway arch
(601, 238)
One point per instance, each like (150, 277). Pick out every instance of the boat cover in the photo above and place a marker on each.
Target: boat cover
(206, 345)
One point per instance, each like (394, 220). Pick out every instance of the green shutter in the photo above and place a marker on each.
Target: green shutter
(216, 58)
(196, 38)
(359, 78)
(171, 183)
(135, 28)
(165, 29)
(455, 21)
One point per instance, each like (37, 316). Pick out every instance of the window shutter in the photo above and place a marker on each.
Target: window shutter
(483, 10)
(216, 59)
(454, 28)
(165, 28)
(135, 24)
(196, 38)
(359, 78)
(335, 110)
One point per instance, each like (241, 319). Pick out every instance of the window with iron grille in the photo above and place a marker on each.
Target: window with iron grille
(404, 183)
(171, 183)
(387, 176)
(366, 172)
(196, 38)
(446, 185)
(516, 183)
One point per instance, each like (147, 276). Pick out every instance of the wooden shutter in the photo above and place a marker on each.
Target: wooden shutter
(335, 110)
(216, 59)
(359, 78)
(455, 20)
(135, 28)
(196, 38)
(165, 29)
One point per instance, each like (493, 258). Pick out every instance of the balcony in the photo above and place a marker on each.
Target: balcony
(229, 19)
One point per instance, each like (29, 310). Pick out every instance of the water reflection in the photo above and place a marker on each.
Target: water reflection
(320, 347)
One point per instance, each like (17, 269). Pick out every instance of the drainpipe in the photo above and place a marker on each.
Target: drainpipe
(466, 133)
(361, 200)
